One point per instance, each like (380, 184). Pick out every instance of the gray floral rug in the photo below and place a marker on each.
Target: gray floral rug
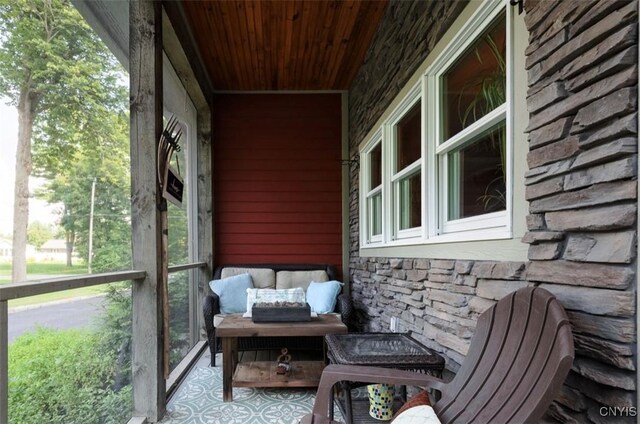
(199, 400)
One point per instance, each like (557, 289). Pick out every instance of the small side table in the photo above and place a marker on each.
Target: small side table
(389, 350)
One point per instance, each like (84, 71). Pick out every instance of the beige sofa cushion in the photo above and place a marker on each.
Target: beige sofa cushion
(302, 279)
(263, 278)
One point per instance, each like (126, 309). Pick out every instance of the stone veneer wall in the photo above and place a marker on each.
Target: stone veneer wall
(581, 185)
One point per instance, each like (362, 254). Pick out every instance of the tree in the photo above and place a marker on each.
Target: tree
(59, 75)
(38, 233)
(107, 161)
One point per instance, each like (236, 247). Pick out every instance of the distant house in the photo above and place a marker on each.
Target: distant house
(5, 249)
(54, 250)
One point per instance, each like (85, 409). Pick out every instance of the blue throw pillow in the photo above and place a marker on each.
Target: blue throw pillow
(232, 292)
(322, 297)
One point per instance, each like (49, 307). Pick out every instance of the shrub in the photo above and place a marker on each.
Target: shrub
(62, 377)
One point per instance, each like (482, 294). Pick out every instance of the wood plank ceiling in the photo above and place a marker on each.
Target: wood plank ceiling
(283, 45)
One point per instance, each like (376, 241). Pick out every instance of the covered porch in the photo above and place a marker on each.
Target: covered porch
(439, 154)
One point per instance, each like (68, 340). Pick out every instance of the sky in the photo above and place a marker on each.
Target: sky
(39, 210)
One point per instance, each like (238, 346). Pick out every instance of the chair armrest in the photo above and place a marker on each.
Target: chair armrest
(333, 374)
(345, 307)
(210, 307)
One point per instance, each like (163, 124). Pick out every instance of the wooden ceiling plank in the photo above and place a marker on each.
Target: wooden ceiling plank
(225, 41)
(243, 49)
(310, 18)
(326, 40)
(349, 15)
(255, 40)
(285, 75)
(302, 31)
(280, 13)
(316, 46)
(364, 32)
(221, 57)
(259, 42)
(267, 26)
(334, 33)
(258, 45)
(242, 37)
(200, 23)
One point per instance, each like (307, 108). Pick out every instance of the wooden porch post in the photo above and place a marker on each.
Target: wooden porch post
(4, 362)
(205, 209)
(145, 58)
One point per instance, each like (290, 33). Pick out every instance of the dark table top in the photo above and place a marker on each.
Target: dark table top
(393, 350)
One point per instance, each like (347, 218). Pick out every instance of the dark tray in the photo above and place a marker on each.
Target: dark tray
(281, 313)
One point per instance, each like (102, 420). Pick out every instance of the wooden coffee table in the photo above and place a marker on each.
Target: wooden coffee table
(262, 373)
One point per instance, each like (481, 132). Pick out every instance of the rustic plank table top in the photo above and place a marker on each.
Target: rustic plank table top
(237, 326)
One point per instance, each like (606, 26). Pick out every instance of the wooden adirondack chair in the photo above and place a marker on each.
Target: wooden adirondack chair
(518, 359)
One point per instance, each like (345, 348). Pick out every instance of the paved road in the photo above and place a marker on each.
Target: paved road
(73, 313)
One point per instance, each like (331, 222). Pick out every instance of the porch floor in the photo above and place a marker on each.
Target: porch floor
(198, 399)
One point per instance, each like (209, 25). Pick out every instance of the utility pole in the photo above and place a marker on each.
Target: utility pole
(93, 200)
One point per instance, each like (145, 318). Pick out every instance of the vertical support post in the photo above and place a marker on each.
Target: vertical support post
(346, 194)
(145, 64)
(205, 208)
(4, 362)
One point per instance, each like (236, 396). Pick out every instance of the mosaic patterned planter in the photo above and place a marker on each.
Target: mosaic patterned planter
(381, 401)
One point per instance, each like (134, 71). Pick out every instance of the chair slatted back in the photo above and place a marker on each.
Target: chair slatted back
(519, 356)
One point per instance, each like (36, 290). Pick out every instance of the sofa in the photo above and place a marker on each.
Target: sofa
(271, 276)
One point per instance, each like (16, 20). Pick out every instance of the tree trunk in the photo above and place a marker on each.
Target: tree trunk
(26, 113)
(71, 238)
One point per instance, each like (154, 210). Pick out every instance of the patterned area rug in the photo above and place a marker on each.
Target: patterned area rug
(199, 400)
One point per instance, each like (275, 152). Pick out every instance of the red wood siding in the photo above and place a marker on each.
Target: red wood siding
(277, 178)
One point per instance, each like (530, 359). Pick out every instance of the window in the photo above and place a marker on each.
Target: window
(472, 148)
(407, 141)
(373, 187)
(446, 147)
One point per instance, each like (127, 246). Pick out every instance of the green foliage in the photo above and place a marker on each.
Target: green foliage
(107, 160)
(490, 92)
(63, 377)
(115, 324)
(38, 233)
(50, 54)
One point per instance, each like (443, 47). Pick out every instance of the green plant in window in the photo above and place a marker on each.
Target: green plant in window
(489, 93)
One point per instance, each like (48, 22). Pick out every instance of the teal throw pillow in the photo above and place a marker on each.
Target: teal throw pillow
(322, 297)
(232, 292)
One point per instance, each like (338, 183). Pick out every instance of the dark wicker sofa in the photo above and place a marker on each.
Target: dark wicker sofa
(211, 307)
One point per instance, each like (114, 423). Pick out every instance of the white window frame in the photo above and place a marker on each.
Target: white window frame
(432, 165)
(415, 95)
(177, 102)
(365, 187)
(490, 225)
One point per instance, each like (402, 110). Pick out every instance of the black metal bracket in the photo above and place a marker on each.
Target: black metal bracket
(519, 3)
(350, 162)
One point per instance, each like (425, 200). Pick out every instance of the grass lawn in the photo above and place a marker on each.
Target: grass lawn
(52, 270)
